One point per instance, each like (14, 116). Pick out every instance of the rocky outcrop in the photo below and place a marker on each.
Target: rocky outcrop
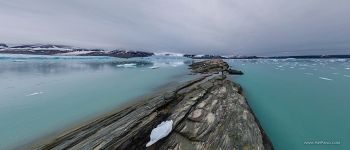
(209, 66)
(209, 112)
(213, 66)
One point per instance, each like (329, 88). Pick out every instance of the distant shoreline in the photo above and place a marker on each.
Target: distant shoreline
(63, 50)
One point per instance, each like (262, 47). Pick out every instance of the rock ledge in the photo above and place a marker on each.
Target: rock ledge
(207, 113)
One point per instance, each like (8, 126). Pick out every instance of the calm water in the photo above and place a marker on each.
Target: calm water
(296, 101)
(300, 101)
(39, 95)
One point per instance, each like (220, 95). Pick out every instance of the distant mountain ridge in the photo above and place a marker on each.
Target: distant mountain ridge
(63, 50)
(261, 57)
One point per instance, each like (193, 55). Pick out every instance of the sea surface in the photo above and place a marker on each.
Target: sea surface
(301, 104)
(42, 94)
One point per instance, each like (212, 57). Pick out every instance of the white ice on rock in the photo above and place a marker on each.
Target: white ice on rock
(161, 131)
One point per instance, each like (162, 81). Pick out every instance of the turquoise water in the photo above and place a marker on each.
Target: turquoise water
(40, 95)
(300, 101)
(296, 101)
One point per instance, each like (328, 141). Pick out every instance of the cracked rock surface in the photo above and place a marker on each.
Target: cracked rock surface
(207, 113)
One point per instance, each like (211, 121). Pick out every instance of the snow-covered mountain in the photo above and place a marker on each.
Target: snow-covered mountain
(63, 50)
(169, 54)
(3, 46)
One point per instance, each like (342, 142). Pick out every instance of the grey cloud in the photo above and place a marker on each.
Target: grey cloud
(196, 26)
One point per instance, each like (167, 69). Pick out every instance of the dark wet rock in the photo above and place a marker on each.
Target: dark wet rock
(207, 113)
(234, 72)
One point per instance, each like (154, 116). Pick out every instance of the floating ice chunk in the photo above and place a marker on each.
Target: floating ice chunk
(335, 73)
(36, 93)
(341, 60)
(178, 63)
(309, 74)
(347, 68)
(347, 76)
(154, 67)
(323, 78)
(127, 65)
(161, 131)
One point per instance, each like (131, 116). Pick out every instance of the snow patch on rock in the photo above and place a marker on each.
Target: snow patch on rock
(161, 131)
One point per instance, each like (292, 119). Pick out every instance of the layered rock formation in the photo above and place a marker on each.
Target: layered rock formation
(213, 66)
(207, 113)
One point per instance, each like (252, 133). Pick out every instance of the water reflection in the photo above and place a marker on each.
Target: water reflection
(54, 67)
(65, 66)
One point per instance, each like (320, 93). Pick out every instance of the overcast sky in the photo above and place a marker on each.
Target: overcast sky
(261, 27)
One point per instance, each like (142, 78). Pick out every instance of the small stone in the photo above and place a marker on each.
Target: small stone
(196, 113)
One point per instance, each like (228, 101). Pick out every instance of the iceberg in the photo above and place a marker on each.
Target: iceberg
(154, 67)
(161, 131)
(309, 73)
(36, 93)
(127, 65)
(323, 78)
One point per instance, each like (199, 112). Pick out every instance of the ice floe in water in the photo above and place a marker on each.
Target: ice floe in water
(36, 93)
(323, 78)
(347, 76)
(347, 68)
(154, 67)
(309, 73)
(161, 131)
(127, 65)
